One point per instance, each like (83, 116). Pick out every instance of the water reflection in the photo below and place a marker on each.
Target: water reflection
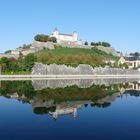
(81, 83)
(62, 97)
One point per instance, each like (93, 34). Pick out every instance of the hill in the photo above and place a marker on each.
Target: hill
(58, 55)
(75, 56)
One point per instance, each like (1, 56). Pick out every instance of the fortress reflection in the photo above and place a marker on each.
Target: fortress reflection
(67, 100)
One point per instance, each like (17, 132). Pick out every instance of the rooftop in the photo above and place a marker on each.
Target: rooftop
(132, 58)
(65, 34)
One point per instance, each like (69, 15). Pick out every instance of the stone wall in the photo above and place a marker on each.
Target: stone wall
(81, 83)
(109, 50)
(82, 69)
(37, 44)
(50, 45)
(9, 55)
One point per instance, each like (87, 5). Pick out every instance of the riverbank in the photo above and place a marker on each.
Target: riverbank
(67, 76)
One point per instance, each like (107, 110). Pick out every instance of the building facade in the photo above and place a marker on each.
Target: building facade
(131, 62)
(69, 38)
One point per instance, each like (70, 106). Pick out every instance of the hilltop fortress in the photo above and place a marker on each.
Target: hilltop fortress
(66, 38)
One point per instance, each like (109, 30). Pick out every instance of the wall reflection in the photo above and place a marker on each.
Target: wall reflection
(63, 97)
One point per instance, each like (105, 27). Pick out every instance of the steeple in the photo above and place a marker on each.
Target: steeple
(75, 36)
(55, 33)
(55, 29)
(121, 54)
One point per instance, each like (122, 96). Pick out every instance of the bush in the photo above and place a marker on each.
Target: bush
(11, 65)
(41, 38)
(86, 43)
(136, 54)
(105, 44)
(45, 38)
(26, 46)
(28, 61)
(124, 66)
(52, 39)
(8, 51)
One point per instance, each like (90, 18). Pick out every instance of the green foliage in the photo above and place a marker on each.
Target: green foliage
(73, 56)
(28, 62)
(86, 43)
(45, 38)
(21, 87)
(41, 38)
(52, 39)
(136, 54)
(60, 55)
(8, 51)
(44, 110)
(93, 44)
(72, 93)
(105, 44)
(22, 65)
(5, 60)
(123, 66)
(26, 46)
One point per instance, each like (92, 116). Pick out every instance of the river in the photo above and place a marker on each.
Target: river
(70, 109)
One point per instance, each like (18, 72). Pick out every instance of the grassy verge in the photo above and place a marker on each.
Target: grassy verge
(16, 73)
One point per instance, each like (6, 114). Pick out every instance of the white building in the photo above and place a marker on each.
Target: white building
(69, 38)
(64, 111)
(131, 62)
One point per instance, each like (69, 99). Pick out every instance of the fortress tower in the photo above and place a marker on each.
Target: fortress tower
(75, 36)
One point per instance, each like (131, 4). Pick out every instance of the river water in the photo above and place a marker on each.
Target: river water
(102, 109)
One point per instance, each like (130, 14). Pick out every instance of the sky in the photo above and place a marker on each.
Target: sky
(113, 21)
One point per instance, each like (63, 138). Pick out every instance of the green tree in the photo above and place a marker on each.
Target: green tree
(86, 43)
(44, 38)
(26, 46)
(136, 54)
(93, 44)
(8, 51)
(29, 61)
(106, 44)
(5, 60)
(52, 39)
(9, 63)
(99, 43)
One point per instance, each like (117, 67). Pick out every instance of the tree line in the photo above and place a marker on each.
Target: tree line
(136, 54)
(45, 38)
(23, 64)
(105, 44)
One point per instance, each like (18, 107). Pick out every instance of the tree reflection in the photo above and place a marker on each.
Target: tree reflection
(61, 101)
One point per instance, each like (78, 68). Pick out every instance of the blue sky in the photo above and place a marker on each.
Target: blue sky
(114, 21)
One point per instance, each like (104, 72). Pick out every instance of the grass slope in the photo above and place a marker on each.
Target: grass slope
(74, 56)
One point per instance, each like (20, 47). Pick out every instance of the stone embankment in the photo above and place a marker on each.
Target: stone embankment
(82, 69)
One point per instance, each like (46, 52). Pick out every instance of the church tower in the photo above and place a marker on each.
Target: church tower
(75, 36)
(55, 33)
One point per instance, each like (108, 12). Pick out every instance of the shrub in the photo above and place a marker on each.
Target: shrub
(8, 51)
(45, 38)
(86, 43)
(105, 44)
